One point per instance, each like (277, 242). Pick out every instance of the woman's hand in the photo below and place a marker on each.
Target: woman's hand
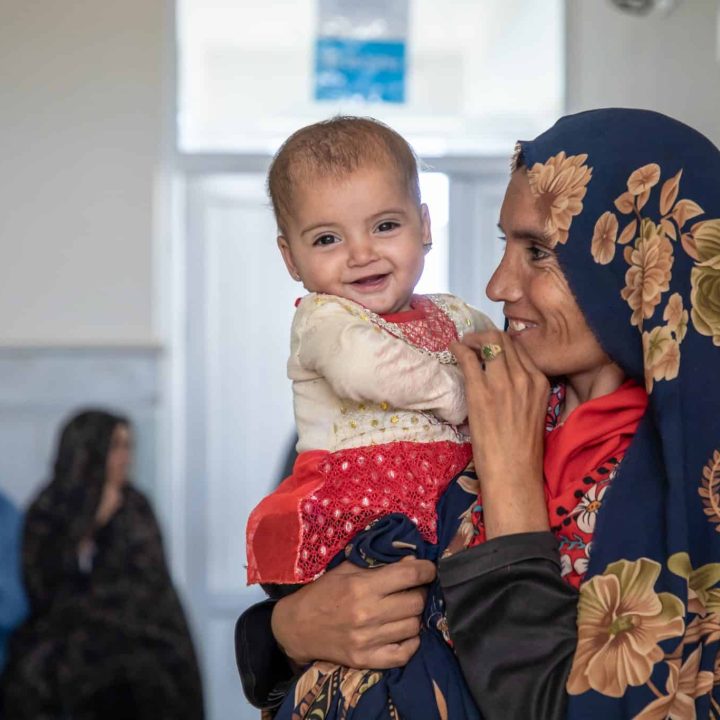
(356, 617)
(507, 400)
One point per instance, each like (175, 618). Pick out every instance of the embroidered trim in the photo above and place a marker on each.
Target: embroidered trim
(452, 310)
(444, 357)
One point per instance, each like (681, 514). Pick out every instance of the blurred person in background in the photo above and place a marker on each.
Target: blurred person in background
(106, 636)
(13, 603)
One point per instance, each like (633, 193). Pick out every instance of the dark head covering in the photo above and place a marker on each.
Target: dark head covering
(631, 201)
(107, 637)
(66, 507)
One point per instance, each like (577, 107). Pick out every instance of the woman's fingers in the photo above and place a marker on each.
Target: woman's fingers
(468, 362)
(406, 574)
(487, 337)
(513, 355)
(355, 617)
(393, 633)
(390, 655)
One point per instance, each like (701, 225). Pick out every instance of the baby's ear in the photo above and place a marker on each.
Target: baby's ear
(286, 253)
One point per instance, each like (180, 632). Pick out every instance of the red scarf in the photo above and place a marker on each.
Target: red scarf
(596, 430)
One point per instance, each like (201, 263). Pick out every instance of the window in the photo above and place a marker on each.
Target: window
(480, 74)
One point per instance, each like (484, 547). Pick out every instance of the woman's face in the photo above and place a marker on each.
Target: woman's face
(542, 313)
(119, 456)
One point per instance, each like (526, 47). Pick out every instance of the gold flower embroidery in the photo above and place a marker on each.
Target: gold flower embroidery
(560, 185)
(683, 685)
(703, 596)
(643, 179)
(705, 280)
(621, 620)
(710, 489)
(662, 356)
(675, 316)
(604, 237)
(649, 274)
(651, 260)
(669, 193)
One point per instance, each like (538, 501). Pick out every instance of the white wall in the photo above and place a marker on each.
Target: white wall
(80, 126)
(666, 62)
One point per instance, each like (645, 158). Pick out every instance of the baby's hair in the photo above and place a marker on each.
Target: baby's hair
(334, 148)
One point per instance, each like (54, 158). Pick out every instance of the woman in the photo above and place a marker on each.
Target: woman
(610, 278)
(106, 636)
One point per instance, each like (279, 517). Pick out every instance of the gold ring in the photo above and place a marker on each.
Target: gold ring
(490, 351)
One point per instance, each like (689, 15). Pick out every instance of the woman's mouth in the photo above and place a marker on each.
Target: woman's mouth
(518, 326)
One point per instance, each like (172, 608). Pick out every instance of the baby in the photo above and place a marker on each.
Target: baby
(377, 396)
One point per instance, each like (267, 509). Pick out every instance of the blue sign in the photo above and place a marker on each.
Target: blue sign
(371, 70)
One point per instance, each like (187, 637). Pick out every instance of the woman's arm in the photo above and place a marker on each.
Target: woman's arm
(349, 616)
(507, 400)
(511, 616)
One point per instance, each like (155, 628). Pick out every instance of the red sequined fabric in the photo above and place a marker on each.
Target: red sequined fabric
(362, 484)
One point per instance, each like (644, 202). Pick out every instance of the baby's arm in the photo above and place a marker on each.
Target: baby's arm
(362, 362)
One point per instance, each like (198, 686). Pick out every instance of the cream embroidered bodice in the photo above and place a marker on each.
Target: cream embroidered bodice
(358, 380)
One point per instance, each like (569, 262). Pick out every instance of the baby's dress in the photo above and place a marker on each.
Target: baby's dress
(378, 401)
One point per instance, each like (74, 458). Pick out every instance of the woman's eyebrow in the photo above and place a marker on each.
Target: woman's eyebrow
(530, 234)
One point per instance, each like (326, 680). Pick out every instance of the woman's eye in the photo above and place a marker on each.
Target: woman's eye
(538, 253)
(387, 226)
(325, 240)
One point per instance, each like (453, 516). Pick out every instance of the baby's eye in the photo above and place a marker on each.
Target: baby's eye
(387, 226)
(325, 240)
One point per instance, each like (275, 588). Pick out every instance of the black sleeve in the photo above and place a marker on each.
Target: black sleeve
(264, 669)
(513, 624)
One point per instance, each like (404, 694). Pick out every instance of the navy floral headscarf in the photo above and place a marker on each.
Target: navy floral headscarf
(631, 201)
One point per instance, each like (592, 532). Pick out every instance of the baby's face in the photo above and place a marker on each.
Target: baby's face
(362, 238)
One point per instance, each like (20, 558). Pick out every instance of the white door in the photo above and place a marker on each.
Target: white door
(239, 426)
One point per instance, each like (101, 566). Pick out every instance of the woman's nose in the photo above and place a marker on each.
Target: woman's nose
(505, 284)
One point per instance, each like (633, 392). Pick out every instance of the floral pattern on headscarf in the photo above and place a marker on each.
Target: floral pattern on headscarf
(705, 279)
(650, 258)
(621, 620)
(710, 489)
(560, 185)
(643, 261)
